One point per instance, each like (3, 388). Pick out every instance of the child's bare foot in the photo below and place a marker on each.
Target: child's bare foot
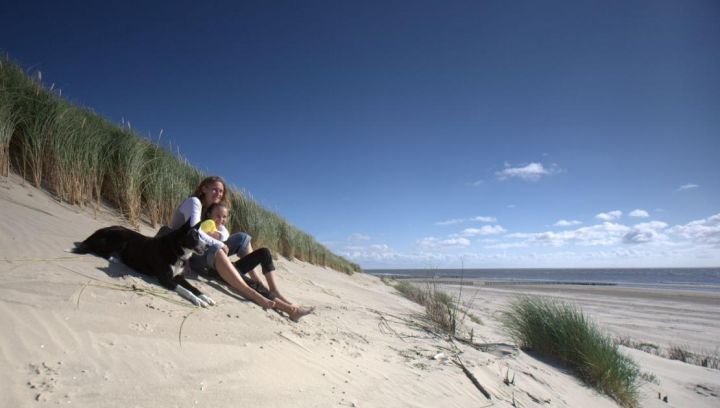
(278, 295)
(268, 304)
(301, 311)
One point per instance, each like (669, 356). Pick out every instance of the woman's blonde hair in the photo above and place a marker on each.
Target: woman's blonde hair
(225, 201)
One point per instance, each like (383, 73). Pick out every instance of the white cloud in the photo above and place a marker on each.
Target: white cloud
(375, 252)
(654, 225)
(478, 218)
(507, 245)
(484, 230)
(651, 243)
(688, 186)
(451, 222)
(481, 218)
(530, 172)
(487, 240)
(640, 237)
(453, 242)
(646, 232)
(475, 183)
(705, 231)
(607, 233)
(638, 213)
(567, 223)
(432, 243)
(357, 237)
(609, 216)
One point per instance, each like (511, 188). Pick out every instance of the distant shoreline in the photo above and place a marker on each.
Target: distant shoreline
(671, 279)
(473, 282)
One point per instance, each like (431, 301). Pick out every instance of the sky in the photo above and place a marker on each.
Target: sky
(422, 134)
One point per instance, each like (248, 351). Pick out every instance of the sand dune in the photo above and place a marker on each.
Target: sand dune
(75, 333)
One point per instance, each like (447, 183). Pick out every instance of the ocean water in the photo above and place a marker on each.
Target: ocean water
(703, 279)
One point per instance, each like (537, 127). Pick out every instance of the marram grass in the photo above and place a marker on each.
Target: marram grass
(440, 307)
(559, 330)
(85, 160)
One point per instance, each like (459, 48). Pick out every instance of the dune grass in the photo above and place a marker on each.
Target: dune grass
(559, 330)
(706, 358)
(85, 160)
(441, 308)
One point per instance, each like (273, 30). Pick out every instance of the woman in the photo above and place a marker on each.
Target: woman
(216, 261)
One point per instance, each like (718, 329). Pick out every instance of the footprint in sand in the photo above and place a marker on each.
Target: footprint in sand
(44, 378)
(142, 327)
(498, 349)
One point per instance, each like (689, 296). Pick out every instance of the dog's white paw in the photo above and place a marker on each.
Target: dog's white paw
(189, 296)
(207, 299)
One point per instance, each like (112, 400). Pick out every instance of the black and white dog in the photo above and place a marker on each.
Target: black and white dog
(162, 257)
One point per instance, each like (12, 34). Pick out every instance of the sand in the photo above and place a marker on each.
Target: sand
(688, 319)
(74, 333)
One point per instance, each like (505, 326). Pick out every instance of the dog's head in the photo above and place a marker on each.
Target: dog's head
(190, 239)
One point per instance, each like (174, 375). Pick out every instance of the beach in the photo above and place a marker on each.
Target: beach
(665, 318)
(79, 331)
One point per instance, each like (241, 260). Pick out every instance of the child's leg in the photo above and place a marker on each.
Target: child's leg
(263, 258)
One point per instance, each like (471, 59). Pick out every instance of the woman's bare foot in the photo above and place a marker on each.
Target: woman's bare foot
(301, 311)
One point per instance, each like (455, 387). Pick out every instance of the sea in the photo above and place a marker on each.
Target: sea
(693, 279)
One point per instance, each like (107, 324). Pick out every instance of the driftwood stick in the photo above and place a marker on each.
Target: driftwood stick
(181, 327)
(77, 305)
(472, 378)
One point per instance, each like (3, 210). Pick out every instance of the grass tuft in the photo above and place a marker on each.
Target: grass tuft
(441, 308)
(561, 331)
(703, 358)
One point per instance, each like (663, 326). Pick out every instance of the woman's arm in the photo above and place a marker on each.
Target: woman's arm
(224, 234)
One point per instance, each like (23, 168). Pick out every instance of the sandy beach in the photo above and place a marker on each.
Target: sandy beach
(78, 331)
(662, 317)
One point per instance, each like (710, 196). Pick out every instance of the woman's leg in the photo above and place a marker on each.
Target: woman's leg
(263, 258)
(294, 312)
(227, 272)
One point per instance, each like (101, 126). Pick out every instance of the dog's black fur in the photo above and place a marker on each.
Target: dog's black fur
(162, 257)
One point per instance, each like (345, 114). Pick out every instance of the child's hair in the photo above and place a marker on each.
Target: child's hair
(213, 206)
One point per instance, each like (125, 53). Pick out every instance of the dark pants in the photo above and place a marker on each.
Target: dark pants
(257, 257)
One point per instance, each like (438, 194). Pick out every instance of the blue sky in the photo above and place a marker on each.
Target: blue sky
(424, 133)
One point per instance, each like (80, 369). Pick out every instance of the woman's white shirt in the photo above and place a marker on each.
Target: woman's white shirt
(191, 209)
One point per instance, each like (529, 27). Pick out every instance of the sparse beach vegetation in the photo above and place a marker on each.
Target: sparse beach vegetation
(441, 308)
(704, 358)
(86, 160)
(561, 331)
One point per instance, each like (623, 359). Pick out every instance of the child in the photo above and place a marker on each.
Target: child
(214, 225)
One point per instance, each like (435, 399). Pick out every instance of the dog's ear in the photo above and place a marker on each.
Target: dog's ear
(196, 227)
(185, 227)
